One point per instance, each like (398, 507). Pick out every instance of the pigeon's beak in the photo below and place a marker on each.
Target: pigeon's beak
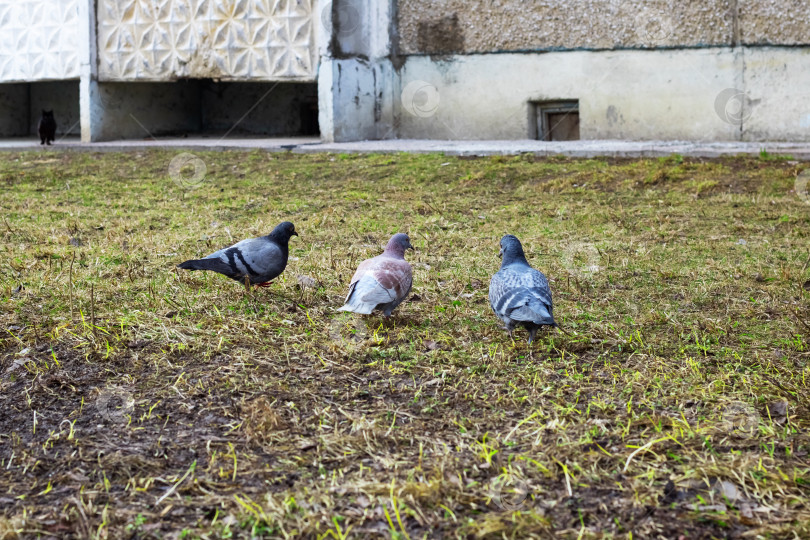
(500, 253)
(410, 247)
(295, 233)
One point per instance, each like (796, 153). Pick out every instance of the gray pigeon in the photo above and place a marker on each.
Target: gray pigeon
(519, 294)
(382, 282)
(256, 261)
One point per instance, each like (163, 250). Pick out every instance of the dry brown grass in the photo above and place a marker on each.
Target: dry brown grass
(142, 402)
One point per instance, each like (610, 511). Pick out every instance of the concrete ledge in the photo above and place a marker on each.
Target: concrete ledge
(578, 149)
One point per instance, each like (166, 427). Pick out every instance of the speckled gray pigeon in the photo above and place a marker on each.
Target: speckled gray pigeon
(256, 261)
(382, 282)
(519, 294)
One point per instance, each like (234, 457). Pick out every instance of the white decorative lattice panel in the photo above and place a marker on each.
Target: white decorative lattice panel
(39, 40)
(229, 39)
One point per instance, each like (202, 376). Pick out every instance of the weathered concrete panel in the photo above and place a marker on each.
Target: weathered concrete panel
(356, 100)
(163, 40)
(775, 22)
(635, 95)
(359, 27)
(39, 40)
(776, 95)
(468, 26)
(465, 26)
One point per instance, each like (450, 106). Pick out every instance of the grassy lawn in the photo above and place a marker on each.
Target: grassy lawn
(141, 401)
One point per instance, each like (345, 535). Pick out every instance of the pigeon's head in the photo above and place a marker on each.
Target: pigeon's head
(511, 249)
(398, 244)
(283, 232)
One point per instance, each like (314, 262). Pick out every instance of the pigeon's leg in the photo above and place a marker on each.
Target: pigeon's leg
(509, 325)
(532, 333)
(265, 284)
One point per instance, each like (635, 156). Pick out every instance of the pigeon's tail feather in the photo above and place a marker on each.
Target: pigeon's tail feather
(356, 306)
(536, 313)
(215, 265)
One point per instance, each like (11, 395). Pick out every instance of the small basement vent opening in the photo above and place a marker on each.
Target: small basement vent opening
(556, 120)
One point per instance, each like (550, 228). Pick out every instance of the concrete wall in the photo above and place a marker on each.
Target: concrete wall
(162, 40)
(356, 76)
(777, 86)
(355, 99)
(461, 69)
(640, 69)
(633, 95)
(774, 22)
(40, 39)
(720, 94)
(475, 26)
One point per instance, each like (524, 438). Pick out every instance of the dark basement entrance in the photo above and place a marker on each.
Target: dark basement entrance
(269, 109)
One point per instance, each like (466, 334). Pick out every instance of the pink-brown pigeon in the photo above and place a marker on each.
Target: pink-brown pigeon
(382, 282)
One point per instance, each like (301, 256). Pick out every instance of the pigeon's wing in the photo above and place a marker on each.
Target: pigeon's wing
(521, 295)
(500, 288)
(258, 258)
(395, 276)
(532, 299)
(370, 291)
(362, 282)
(378, 281)
(538, 286)
(264, 256)
(364, 268)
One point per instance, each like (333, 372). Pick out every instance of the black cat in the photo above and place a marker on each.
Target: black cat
(47, 127)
